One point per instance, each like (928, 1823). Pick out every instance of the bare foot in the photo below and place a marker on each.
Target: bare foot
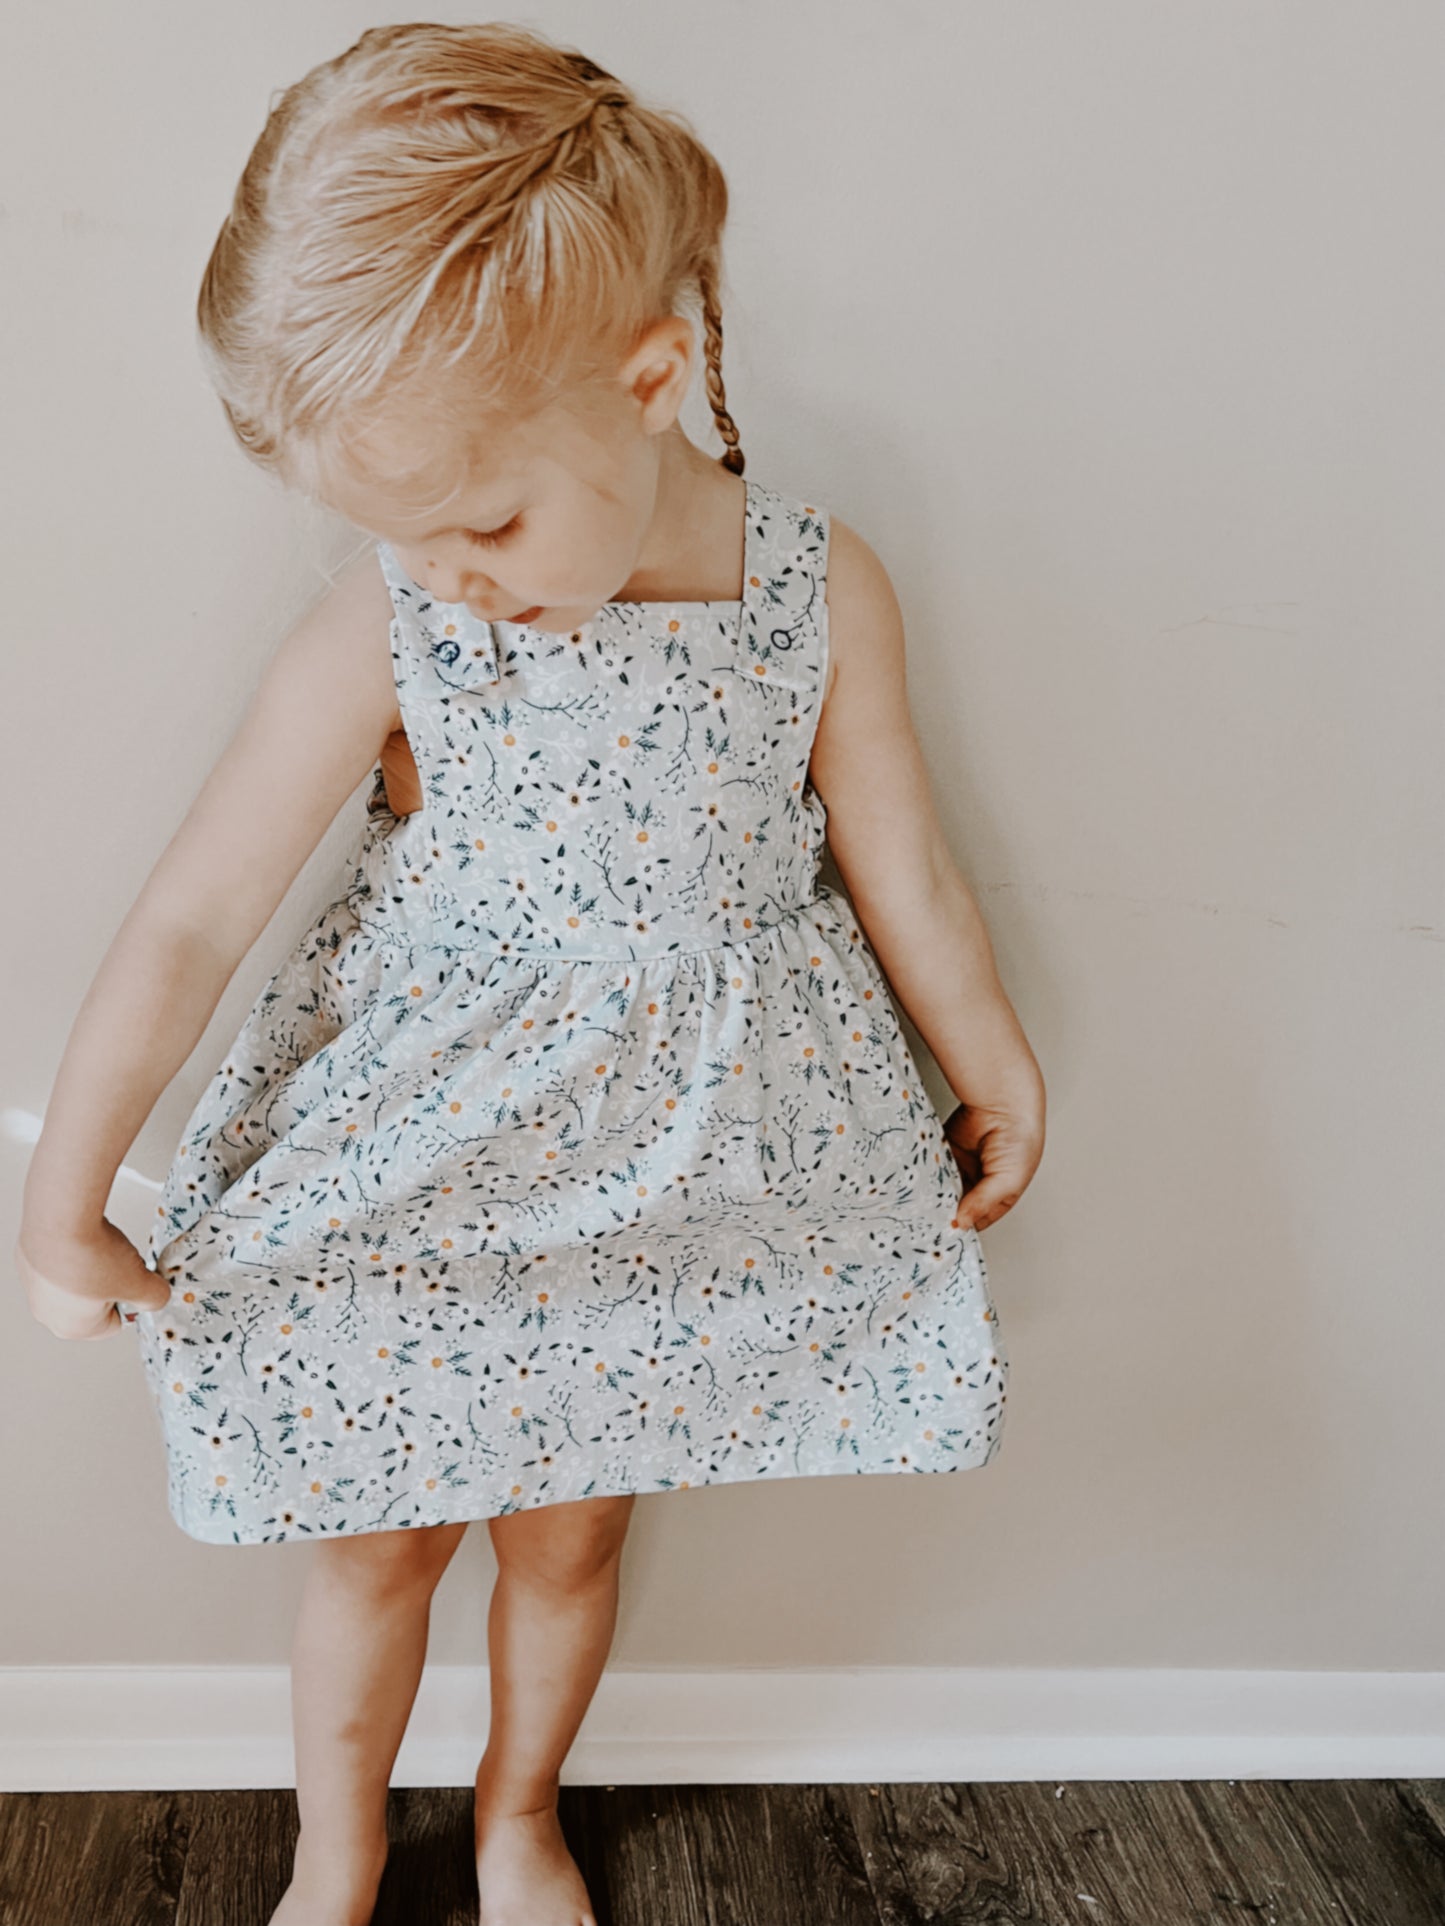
(331, 1893)
(525, 1874)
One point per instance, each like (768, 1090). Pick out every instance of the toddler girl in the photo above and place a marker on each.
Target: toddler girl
(575, 1151)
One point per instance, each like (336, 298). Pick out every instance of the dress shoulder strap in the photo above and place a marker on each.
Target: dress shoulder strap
(784, 621)
(436, 647)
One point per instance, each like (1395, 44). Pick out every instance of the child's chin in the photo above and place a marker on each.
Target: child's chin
(557, 622)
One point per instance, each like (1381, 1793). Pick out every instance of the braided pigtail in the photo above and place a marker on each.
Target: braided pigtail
(712, 339)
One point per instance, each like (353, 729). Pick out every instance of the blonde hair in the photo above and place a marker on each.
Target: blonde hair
(445, 195)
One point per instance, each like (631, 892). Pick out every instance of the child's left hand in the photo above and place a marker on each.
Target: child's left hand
(998, 1148)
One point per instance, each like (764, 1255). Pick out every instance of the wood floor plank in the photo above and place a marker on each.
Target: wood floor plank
(1225, 1879)
(239, 1862)
(829, 1872)
(647, 1864)
(1275, 1865)
(1007, 1851)
(87, 1856)
(766, 1854)
(1099, 1853)
(952, 1855)
(586, 1826)
(1427, 1797)
(430, 1877)
(1384, 1860)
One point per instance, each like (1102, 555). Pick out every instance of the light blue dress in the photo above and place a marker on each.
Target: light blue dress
(575, 1149)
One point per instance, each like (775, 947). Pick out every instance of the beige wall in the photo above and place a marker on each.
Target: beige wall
(1117, 330)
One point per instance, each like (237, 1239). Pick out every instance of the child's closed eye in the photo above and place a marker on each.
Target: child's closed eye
(488, 537)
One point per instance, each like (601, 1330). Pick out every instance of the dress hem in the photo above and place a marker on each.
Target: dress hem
(462, 1510)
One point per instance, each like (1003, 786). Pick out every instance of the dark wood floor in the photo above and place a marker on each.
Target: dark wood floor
(1264, 1852)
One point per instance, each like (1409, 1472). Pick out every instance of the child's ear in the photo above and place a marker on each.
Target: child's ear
(658, 372)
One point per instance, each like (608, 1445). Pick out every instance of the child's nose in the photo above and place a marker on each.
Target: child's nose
(449, 585)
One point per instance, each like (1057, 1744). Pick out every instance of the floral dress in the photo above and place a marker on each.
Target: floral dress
(575, 1149)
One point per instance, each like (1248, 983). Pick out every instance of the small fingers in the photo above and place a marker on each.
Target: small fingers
(985, 1204)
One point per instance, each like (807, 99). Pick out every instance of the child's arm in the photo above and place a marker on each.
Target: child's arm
(316, 724)
(921, 920)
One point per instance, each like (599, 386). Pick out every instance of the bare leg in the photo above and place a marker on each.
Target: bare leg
(552, 1616)
(356, 1663)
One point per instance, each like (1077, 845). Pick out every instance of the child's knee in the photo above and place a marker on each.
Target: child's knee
(563, 1546)
(393, 1560)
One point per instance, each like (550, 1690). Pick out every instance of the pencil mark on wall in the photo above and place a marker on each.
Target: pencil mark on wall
(1225, 619)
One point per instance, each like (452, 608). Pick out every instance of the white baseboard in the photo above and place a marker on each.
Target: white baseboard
(137, 1727)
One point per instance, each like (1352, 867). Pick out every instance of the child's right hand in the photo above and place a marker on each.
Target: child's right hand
(77, 1282)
